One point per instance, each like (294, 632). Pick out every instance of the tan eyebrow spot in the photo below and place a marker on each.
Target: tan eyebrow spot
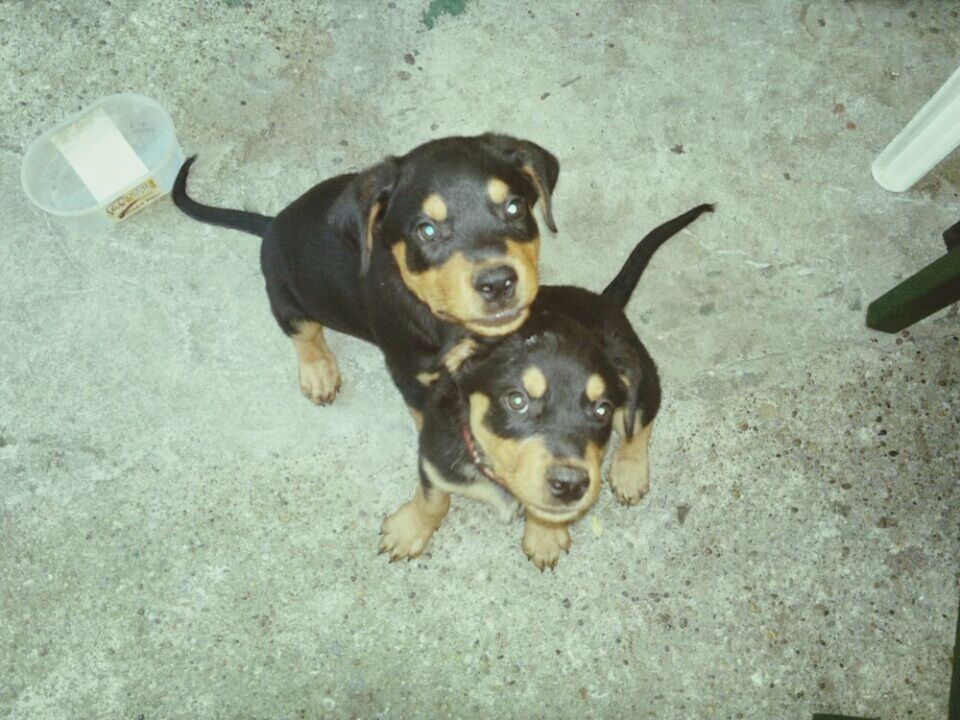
(596, 387)
(435, 208)
(498, 190)
(427, 378)
(534, 382)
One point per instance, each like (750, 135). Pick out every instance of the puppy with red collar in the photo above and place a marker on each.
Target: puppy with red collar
(523, 421)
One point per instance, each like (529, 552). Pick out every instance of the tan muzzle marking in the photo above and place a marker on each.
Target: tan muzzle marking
(448, 290)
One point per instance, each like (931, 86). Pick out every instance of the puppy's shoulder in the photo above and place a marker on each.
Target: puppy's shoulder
(316, 204)
(585, 306)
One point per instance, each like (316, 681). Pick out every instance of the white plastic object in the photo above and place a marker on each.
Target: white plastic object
(103, 164)
(933, 134)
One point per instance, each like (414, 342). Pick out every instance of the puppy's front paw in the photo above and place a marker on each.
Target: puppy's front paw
(320, 379)
(542, 543)
(406, 533)
(630, 479)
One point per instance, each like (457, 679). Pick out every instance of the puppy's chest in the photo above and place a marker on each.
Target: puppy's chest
(415, 343)
(478, 486)
(466, 478)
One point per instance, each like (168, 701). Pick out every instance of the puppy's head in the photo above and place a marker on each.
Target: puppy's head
(541, 403)
(456, 215)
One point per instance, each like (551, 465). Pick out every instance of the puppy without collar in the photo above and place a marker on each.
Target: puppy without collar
(411, 254)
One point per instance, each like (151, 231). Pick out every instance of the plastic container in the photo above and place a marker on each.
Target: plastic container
(106, 163)
(933, 134)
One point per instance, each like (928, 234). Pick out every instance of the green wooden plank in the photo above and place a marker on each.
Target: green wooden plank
(920, 295)
(951, 236)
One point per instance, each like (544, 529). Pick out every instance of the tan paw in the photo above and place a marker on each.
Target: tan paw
(543, 543)
(406, 533)
(630, 479)
(320, 380)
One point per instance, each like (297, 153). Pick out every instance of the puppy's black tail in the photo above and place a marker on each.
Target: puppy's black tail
(622, 286)
(253, 223)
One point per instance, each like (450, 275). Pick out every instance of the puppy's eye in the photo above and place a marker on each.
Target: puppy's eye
(603, 411)
(516, 401)
(515, 208)
(427, 232)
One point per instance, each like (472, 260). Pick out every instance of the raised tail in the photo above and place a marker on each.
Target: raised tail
(622, 286)
(253, 223)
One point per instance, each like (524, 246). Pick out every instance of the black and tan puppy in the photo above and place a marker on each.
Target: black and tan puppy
(523, 421)
(411, 254)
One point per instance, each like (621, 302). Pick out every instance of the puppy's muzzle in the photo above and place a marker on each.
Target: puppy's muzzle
(567, 483)
(503, 296)
(497, 285)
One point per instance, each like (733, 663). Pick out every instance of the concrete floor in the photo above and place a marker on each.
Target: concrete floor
(182, 535)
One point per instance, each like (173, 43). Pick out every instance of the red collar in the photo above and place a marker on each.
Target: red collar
(475, 456)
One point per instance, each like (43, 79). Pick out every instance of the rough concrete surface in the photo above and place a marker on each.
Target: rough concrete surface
(182, 535)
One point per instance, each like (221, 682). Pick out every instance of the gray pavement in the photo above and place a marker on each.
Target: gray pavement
(183, 535)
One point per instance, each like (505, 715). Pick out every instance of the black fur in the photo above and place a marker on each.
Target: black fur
(571, 334)
(604, 314)
(566, 352)
(622, 286)
(253, 223)
(320, 265)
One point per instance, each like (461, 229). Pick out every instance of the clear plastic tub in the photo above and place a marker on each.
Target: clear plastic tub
(104, 164)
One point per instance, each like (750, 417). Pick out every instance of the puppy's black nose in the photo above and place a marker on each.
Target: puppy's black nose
(496, 284)
(567, 483)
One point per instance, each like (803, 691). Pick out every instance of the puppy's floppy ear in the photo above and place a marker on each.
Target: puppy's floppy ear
(534, 161)
(639, 389)
(631, 381)
(362, 204)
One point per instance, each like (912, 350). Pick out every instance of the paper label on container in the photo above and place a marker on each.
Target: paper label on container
(100, 155)
(134, 201)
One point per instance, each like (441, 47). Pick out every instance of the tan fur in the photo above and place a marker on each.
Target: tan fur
(522, 465)
(544, 541)
(534, 382)
(596, 387)
(406, 533)
(371, 220)
(526, 255)
(593, 457)
(480, 489)
(319, 375)
(497, 190)
(427, 378)
(448, 288)
(435, 208)
(630, 471)
(459, 354)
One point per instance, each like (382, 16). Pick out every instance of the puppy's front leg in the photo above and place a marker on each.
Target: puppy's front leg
(630, 471)
(543, 541)
(406, 533)
(319, 374)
